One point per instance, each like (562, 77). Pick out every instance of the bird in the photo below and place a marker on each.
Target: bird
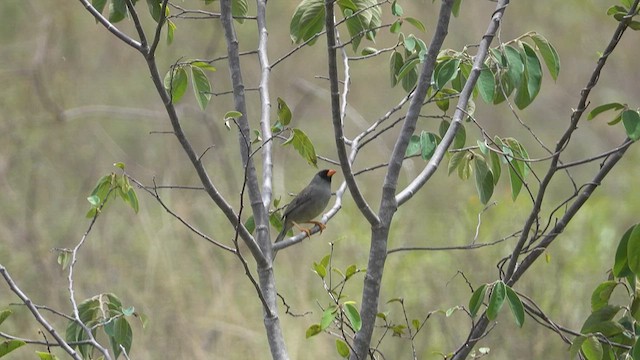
(309, 203)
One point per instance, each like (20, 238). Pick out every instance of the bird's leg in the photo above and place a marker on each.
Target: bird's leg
(305, 230)
(320, 225)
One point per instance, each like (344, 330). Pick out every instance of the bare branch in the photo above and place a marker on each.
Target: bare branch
(38, 316)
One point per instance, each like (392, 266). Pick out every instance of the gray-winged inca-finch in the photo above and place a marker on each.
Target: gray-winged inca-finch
(309, 203)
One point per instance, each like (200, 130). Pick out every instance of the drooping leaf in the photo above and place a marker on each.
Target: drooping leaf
(171, 29)
(631, 122)
(496, 300)
(328, 316)
(395, 64)
(414, 146)
(342, 348)
(284, 113)
(416, 23)
(303, 145)
(486, 85)
(117, 10)
(353, 315)
(515, 66)
(621, 265)
(445, 71)
(633, 250)
(591, 348)
(307, 21)
(239, 9)
(313, 330)
(515, 304)
(484, 179)
(201, 87)
(175, 82)
(428, 143)
(601, 294)
(549, 55)
(155, 7)
(476, 299)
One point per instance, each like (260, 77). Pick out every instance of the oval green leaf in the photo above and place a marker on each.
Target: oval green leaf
(633, 250)
(353, 315)
(515, 304)
(496, 300)
(476, 299)
(484, 179)
(621, 264)
(631, 122)
(342, 348)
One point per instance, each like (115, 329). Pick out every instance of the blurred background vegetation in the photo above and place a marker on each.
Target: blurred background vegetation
(75, 100)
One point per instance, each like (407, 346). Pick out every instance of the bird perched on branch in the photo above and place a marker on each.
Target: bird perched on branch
(309, 203)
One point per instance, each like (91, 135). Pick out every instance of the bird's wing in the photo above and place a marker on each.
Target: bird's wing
(299, 201)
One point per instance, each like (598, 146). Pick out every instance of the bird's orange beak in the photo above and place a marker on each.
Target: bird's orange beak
(331, 172)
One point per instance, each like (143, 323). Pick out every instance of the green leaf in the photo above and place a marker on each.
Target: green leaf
(496, 300)
(284, 113)
(594, 321)
(633, 250)
(307, 21)
(303, 145)
(204, 66)
(476, 299)
(464, 168)
(495, 166)
(515, 66)
(119, 333)
(455, 161)
(591, 348)
(328, 316)
(635, 352)
(343, 349)
(486, 85)
(94, 200)
(171, 29)
(201, 87)
(396, 9)
(320, 269)
(117, 10)
(155, 7)
(368, 51)
(64, 258)
(549, 55)
(484, 179)
(4, 314)
(10, 345)
(353, 315)
(176, 86)
(250, 224)
(232, 115)
(410, 43)
(43, 355)
(621, 264)
(395, 64)
(515, 304)
(576, 345)
(132, 200)
(409, 67)
(445, 71)
(416, 23)
(99, 5)
(532, 79)
(351, 270)
(631, 122)
(601, 294)
(395, 27)
(414, 146)
(428, 143)
(313, 330)
(602, 108)
(239, 8)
